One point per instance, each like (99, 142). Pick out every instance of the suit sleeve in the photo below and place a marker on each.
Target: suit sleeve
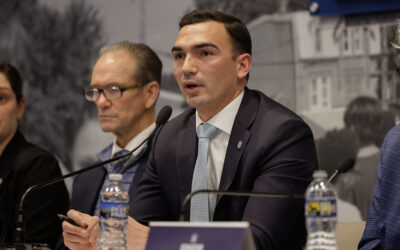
(41, 206)
(285, 166)
(382, 225)
(148, 198)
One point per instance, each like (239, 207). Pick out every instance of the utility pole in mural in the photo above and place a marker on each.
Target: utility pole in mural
(54, 51)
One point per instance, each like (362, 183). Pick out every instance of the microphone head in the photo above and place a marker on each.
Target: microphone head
(163, 115)
(346, 165)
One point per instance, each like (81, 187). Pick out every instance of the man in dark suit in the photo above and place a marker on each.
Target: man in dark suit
(124, 86)
(257, 145)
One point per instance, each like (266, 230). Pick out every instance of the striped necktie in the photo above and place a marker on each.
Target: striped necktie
(120, 163)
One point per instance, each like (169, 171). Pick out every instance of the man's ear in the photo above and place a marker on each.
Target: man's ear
(152, 90)
(244, 63)
(21, 108)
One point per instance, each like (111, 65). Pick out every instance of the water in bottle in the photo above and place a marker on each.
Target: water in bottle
(113, 215)
(320, 211)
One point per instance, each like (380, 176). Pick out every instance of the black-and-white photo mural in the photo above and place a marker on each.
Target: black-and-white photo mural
(338, 72)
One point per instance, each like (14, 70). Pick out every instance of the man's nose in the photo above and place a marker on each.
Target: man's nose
(189, 65)
(102, 102)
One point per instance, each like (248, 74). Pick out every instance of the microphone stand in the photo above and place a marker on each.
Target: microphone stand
(162, 118)
(343, 167)
(20, 229)
(234, 193)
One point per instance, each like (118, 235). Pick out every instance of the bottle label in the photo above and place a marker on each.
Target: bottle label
(113, 210)
(321, 208)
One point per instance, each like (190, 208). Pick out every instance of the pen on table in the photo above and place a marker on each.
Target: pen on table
(65, 218)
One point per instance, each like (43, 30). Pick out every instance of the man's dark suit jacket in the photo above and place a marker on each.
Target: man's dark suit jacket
(270, 150)
(22, 165)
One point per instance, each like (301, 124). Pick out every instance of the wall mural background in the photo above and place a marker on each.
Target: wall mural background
(337, 72)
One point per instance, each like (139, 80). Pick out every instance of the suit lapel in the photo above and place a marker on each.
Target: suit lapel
(186, 152)
(239, 138)
(93, 190)
(97, 178)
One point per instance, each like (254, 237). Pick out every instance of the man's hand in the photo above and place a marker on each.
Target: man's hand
(76, 238)
(136, 235)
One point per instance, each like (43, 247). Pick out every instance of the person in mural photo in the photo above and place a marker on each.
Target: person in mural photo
(23, 165)
(364, 116)
(382, 229)
(124, 87)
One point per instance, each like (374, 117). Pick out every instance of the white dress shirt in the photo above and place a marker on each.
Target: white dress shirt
(219, 144)
(135, 141)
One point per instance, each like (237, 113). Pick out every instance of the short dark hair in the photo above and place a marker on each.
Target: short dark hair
(237, 30)
(363, 115)
(149, 66)
(13, 77)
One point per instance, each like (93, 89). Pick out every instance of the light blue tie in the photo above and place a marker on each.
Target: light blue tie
(199, 207)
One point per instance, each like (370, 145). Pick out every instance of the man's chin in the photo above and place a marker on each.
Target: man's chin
(194, 102)
(107, 128)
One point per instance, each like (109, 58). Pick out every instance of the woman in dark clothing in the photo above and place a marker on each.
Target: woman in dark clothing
(22, 165)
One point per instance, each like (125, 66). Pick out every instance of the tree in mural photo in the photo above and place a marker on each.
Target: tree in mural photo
(251, 9)
(54, 51)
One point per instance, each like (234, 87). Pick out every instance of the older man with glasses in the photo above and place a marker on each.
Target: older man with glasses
(124, 86)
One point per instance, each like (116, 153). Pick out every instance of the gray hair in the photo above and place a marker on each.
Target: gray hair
(149, 65)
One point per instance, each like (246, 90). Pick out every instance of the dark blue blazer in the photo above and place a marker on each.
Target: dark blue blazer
(276, 155)
(87, 186)
(382, 230)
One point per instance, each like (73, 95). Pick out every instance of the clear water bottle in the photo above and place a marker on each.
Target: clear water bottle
(320, 211)
(113, 215)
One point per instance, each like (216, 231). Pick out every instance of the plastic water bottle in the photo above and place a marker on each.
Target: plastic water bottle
(113, 215)
(320, 211)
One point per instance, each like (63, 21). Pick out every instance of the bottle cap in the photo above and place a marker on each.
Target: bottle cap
(115, 177)
(320, 174)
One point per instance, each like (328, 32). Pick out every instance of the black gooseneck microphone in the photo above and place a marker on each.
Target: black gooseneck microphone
(235, 193)
(161, 119)
(344, 166)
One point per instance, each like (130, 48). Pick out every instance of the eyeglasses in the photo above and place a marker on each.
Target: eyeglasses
(111, 92)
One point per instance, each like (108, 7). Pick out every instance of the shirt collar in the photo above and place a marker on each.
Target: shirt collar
(367, 151)
(224, 119)
(132, 144)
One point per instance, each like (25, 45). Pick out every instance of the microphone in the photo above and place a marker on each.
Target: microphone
(235, 193)
(163, 115)
(344, 166)
(161, 119)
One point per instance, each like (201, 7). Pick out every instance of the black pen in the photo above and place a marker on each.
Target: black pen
(65, 218)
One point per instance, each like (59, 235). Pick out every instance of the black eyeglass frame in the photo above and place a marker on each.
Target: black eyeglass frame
(104, 91)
